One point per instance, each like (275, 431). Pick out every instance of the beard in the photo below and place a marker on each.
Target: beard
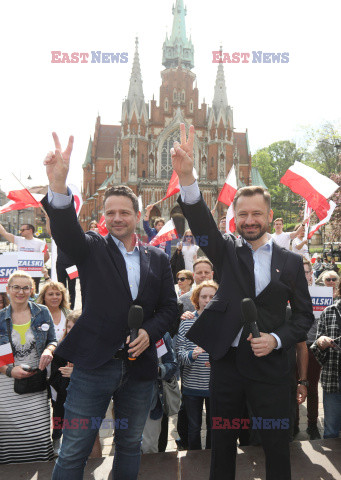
(256, 235)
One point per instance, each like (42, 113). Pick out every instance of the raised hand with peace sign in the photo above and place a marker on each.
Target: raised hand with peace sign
(57, 165)
(182, 156)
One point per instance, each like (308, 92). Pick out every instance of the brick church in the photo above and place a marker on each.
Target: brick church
(137, 152)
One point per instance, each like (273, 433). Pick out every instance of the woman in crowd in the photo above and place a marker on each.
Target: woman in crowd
(196, 368)
(166, 370)
(4, 300)
(326, 348)
(185, 281)
(189, 250)
(331, 279)
(177, 262)
(25, 418)
(93, 227)
(55, 296)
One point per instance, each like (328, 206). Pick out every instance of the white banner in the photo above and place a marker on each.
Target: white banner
(321, 298)
(8, 265)
(31, 262)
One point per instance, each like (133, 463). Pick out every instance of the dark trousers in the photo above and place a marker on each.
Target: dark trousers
(37, 283)
(182, 424)
(69, 284)
(229, 393)
(313, 377)
(58, 414)
(163, 437)
(194, 407)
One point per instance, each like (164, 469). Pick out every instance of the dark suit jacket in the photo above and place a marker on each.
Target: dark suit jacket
(221, 320)
(106, 298)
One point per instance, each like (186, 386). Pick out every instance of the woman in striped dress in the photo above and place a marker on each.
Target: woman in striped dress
(25, 418)
(196, 368)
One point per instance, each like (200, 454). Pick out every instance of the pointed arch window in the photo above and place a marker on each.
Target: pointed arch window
(166, 161)
(175, 95)
(166, 104)
(183, 95)
(191, 106)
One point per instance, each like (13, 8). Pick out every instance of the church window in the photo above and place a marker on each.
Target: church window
(142, 158)
(212, 162)
(143, 174)
(166, 104)
(183, 95)
(191, 106)
(174, 95)
(166, 160)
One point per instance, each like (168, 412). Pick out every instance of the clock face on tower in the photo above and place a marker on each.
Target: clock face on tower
(166, 159)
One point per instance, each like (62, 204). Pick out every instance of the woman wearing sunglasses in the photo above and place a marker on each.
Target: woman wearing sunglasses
(185, 281)
(27, 330)
(189, 250)
(331, 279)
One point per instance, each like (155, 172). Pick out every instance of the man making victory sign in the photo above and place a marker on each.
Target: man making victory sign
(115, 272)
(244, 368)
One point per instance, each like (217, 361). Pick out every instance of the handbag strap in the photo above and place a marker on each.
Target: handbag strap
(8, 323)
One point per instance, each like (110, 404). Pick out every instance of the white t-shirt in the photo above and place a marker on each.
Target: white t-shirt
(34, 245)
(60, 328)
(282, 240)
(304, 252)
(188, 252)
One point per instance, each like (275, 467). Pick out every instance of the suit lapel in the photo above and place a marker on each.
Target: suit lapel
(278, 260)
(118, 261)
(144, 266)
(245, 260)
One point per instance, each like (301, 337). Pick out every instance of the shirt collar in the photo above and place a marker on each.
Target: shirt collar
(121, 244)
(267, 246)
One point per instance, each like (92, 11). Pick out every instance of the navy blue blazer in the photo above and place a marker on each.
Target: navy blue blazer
(106, 297)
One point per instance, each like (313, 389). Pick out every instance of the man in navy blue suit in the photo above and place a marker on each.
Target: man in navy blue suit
(115, 272)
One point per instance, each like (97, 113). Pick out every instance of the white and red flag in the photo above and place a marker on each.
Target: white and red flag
(72, 272)
(6, 354)
(167, 232)
(173, 186)
(230, 223)
(77, 198)
(102, 229)
(311, 185)
(314, 228)
(229, 189)
(21, 199)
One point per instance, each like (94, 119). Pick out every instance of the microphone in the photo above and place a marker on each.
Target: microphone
(135, 319)
(250, 315)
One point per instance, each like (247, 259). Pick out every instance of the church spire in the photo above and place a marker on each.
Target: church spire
(178, 50)
(135, 86)
(220, 97)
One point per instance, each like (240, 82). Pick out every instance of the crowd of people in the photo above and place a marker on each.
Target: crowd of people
(192, 335)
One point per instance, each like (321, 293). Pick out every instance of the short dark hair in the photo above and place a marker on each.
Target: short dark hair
(279, 220)
(159, 219)
(222, 218)
(122, 191)
(29, 226)
(250, 192)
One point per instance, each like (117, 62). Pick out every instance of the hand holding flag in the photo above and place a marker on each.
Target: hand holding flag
(167, 232)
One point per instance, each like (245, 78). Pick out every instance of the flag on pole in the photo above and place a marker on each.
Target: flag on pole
(77, 198)
(230, 223)
(314, 257)
(173, 187)
(6, 354)
(102, 229)
(229, 189)
(307, 213)
(325, 220)
(72, 272)
(32, 201)
(167, 232)
(311, 185)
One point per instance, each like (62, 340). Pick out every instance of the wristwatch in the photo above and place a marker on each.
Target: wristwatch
(305, 383)
(9, 371)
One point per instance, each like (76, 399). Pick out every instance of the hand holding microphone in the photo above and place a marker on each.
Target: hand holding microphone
(261, 343)
(138, 339)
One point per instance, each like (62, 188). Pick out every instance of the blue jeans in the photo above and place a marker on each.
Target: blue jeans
(88, 397)
(194, 407)
(332, 413)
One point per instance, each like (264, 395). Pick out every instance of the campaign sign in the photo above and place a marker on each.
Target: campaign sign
(321, 298)
(8, 265)
(31, 262)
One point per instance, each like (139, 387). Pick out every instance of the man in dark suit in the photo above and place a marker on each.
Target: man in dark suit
(243, 368)
(115, 272)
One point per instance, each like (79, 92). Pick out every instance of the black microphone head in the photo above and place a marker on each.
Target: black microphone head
(249, 310)
(135, 317)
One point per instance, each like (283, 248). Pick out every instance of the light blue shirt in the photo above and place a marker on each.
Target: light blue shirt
(132, 259)
(261, 257)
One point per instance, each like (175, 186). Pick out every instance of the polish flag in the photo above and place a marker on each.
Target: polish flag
(32, 201)
(230, 223)
(6, 354)
(102, 229)
(229, 189)
(314, 228)
(72, 272)
(314, 257)
(311, 185)
(77, 198)
(167, 232)
(173, 187)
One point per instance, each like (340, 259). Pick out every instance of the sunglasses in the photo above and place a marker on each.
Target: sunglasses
(23, 229)
(182, 279)
(330, 279)
(188, 236)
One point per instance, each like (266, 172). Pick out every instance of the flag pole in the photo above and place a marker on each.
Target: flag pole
(41, 207)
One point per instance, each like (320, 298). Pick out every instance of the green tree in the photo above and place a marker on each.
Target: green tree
(326, 144)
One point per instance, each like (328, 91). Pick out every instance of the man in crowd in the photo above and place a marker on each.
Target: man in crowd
(152, 232)
(222, 225)
(115, 273)
(27, 243)
(244, 368)
(283, 239)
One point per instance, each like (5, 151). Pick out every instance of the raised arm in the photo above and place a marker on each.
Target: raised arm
(5, 234)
